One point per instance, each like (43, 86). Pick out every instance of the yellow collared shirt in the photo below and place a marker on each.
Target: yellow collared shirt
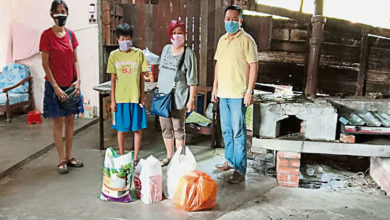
(233, 57)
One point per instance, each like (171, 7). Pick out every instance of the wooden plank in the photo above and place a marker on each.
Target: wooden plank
(334, 87)
(342, 37)
(281, 73)
(379, 42)
(331, 80)
(344, 25)
(130, 13)
(260, 28)
(105, 22)
(360, 87)
(317, 147)
(281, 34)
(219, 17)
(265, 33)
(332, 23)
(288, 46)
(196, 30)
(207, 51)
(378, 76)
(149, 33)
(162, 11)
(189, 22)
(378, 87)
(175, 8)
(203, 43)
(299, 58)
(378, 59)
(303, 17)
(140, 40)
(251, 25)
(290, 24)
(298, 35)
(343, 53)
(281, 57)
(182, 9)
(244, 4)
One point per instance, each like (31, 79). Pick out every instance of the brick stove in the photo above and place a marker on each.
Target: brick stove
(299, 125)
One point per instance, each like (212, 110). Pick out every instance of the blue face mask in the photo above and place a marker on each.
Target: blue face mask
(125, 45)
(231, 26)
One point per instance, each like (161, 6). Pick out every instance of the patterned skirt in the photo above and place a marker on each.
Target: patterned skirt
(51, 107)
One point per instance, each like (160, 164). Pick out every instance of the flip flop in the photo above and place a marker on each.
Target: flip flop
(165, 161)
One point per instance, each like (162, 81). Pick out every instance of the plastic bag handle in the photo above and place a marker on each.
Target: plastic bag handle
(183, 150)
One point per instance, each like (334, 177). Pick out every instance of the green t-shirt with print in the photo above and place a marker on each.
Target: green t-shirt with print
(128, 67)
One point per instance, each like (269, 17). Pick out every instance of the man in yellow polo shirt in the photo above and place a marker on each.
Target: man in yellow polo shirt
(235, 77)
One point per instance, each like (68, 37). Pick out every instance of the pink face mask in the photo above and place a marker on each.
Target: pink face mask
(177, 40)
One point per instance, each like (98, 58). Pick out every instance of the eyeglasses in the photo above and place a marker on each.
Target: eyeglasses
(175, 21)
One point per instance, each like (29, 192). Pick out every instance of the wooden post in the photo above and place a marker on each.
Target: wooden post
(100, 40)
(149, 26)
(265, 33)
(101, 73)
(364, 52)
(318, 22)
(203, 42)
(207, 43)
(319, 7)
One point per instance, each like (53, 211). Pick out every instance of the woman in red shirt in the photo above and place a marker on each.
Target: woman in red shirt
(59, 60)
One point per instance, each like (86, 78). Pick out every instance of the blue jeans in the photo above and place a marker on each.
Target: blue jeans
(232, 114)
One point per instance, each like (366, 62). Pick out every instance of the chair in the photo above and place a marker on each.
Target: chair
(15, 89)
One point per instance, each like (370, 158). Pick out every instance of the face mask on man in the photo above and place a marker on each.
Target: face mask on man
(177, 40)
(231, 26)
(125, 45)
(60, 19)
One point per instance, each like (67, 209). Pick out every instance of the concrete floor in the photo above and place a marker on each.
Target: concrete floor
(36, 191)
(20, 141)
(292, 203)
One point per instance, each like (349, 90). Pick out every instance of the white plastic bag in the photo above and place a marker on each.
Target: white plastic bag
(137, 180)
(151, 58)
(151, 180)
(181, 164)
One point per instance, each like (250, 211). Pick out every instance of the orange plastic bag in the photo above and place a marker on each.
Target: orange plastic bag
(196, 191)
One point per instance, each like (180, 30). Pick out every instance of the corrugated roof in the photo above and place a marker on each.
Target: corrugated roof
(375, 119)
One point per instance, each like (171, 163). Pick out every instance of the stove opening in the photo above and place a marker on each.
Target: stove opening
(291, 126)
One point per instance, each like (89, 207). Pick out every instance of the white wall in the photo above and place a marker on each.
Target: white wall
(4, 30)
(35, 14)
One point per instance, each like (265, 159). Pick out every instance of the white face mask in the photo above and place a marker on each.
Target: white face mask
(125, 45)
(177, 40)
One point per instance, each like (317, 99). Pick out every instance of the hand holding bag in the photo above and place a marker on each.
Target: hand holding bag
(71, 102)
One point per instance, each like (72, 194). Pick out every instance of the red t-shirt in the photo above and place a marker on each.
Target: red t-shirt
(60, 55)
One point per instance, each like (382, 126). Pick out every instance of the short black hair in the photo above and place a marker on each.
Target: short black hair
(124, 30)
(56, 3)
(235, 8)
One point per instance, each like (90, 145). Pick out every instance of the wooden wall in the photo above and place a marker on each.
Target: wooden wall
(283, 60)
(378, 74)
(282, 43)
